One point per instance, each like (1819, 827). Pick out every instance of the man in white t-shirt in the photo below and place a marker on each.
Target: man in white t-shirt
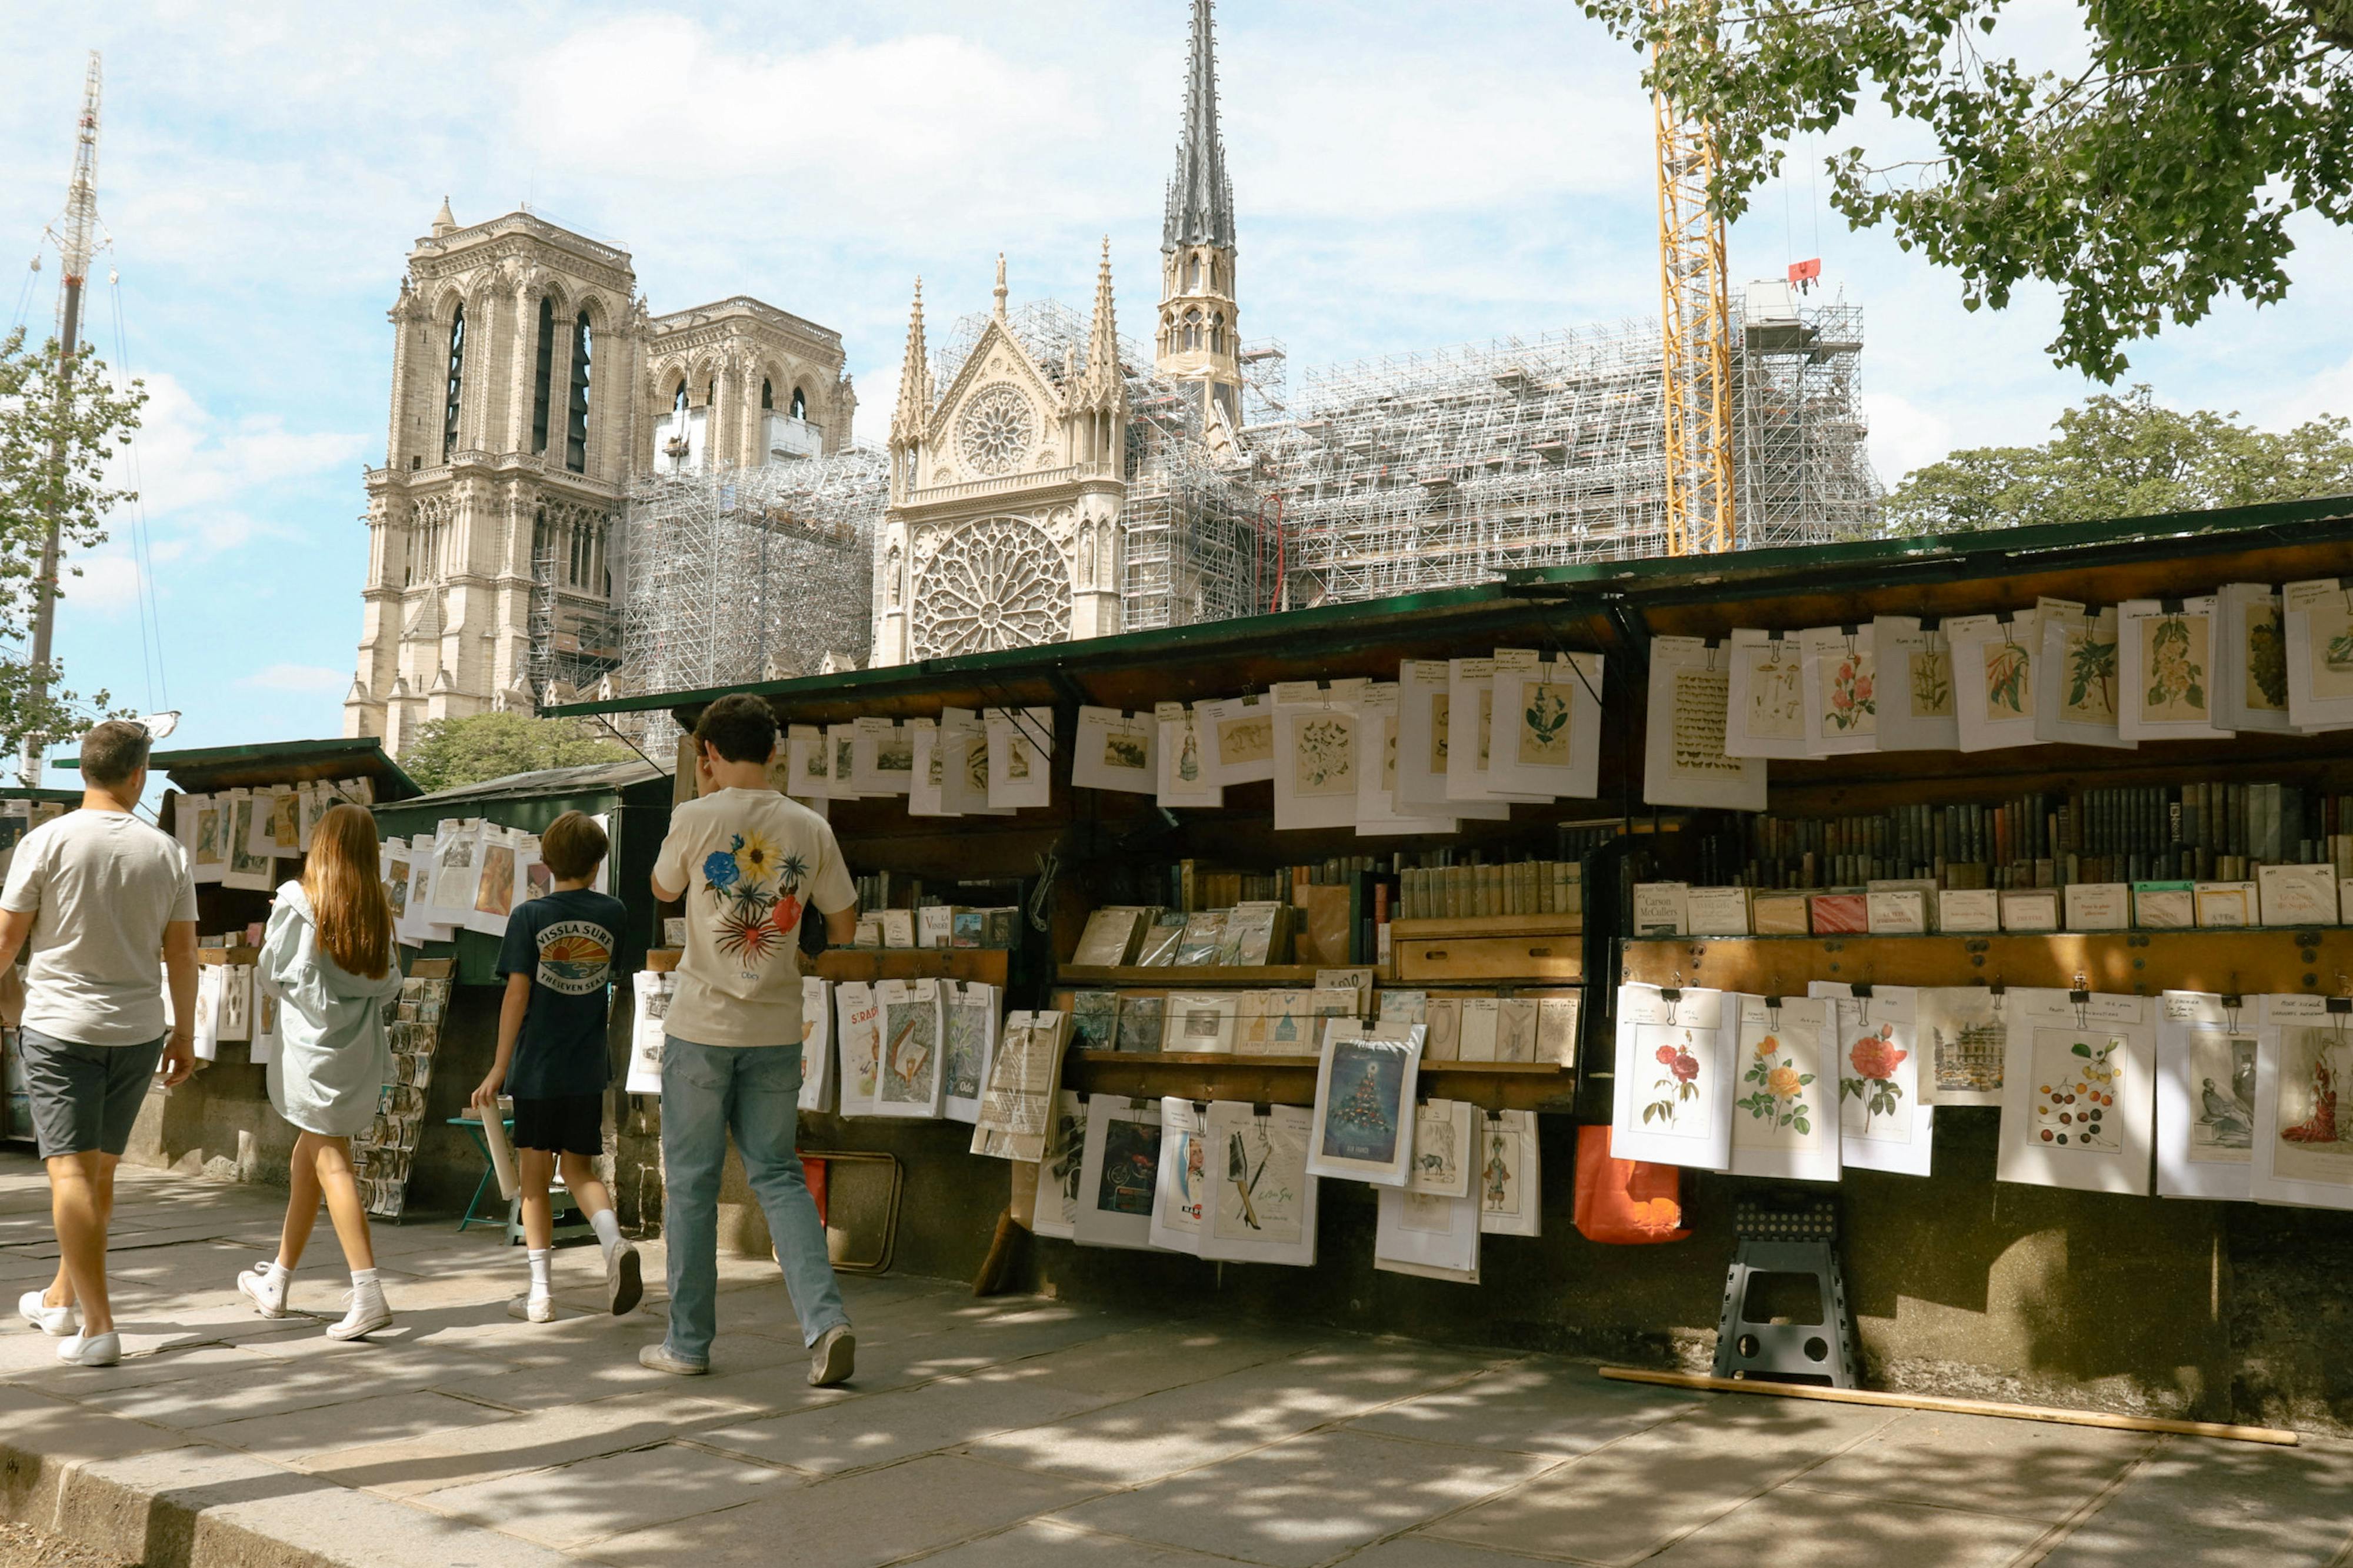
(101, 896)
(749, 864)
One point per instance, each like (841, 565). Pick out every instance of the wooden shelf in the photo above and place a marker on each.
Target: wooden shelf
(1194, 976)
(1489, 925)
(1290, 1080)
(2234, 961)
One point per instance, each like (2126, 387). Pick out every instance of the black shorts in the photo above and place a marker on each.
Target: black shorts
(85, 1097)
(561, 1124)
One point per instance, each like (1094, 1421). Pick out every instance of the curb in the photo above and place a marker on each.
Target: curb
(153, 1496)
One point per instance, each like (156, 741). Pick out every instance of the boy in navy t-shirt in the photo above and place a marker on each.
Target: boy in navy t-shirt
(558, 963)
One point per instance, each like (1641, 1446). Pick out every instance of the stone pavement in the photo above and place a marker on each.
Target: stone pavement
(1008, 1432)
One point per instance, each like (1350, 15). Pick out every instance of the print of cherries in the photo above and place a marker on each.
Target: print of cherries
(2078, 1109)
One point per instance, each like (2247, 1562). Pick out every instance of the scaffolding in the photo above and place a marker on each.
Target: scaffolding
(731, 576)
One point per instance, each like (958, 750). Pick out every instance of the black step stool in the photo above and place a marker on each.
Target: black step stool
(1800, 1240)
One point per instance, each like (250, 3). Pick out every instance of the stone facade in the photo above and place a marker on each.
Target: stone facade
(529, 389)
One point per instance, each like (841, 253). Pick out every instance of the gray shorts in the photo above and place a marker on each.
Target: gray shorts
(85, 1097)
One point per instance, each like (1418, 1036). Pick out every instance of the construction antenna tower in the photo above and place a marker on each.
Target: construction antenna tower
(77, 238)
(1694, 318)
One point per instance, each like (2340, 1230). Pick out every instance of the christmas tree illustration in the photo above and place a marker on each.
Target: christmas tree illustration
(1364, 1107)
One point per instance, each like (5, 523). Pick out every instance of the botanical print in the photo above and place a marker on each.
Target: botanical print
(2088, 677)
(1931, 683)
(494, 894)
(2222, 1066)
(1874, 1057)
(756, 897)
(1777, 696)
(1260, 1189)
(2076, 1087)
(2329, 631)
(1677, 1085)
(2008, 680)
(1249, 740)
(1702, 696)
(1850, 702)
(2266, 660)
(910, 1031)
(1130, 1167)
(1367, 1082)
(968, 1030)
(1323, 757)
(1122, 750)
(1439, 707)
(2172, 648)
(1544, 728)
(1389, 751)
(1778, 1089)
(2316, 1142)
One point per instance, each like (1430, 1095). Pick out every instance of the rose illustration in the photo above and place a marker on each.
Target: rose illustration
(1877, 1056)
(1685, 1067)
(1666, 1055)
(1784, 1082)
(1769, 1045)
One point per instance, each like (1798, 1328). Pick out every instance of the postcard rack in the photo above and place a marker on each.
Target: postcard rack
(382, 1157)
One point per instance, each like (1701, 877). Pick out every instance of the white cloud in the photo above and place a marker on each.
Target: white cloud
(189, 459)
(311, 678)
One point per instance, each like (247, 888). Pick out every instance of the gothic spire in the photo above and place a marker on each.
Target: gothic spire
(914, 403)
(1201, 197)
(1105, 382)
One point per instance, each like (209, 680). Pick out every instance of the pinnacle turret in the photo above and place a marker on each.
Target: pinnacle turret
(914, 402)
(1201, 197)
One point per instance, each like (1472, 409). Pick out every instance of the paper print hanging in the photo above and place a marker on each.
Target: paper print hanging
(818, 1090)
(245, 867)
(1842, 685)
(2251, 660)
(1363, 1105)
(1915, 687)
(264, 1049)
(1020, 754)
(1434, 1238)
(1017, 1116)
(2076, 702)
(1315, 752)
(968, 1014)
(2079, 1092)
(1964, 1042)
(2207, 1048)
(1120, 1175)
(1765, 713)
(1683, 758)
(651, 991)
(1241, 732)
(1115, 751)
(1442, 1150)
(1260, 1199)
(1057, 1210)
(2167, 650)
(1883, 1125)
(1378, 811)
(1510, 1182)
(1672, 1098)
(2303, 1121)
(1180, 1193)
(909, 1080)
(1470, 728)
(1186, 773)
(1784, 1121)
(858, 1026)
(1995, 676)
(234, 1020)
(881, 757)
(2318, 617)
(1425, 739)
(1551, 726)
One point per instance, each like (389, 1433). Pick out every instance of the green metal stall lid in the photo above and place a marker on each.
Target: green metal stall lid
(591, 779)
(206, 769)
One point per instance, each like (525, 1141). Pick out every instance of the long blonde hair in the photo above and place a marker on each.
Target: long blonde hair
(344, 879)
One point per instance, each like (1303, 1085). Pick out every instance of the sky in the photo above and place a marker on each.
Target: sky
(264, 170)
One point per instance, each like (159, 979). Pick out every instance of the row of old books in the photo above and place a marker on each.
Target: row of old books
(1516, 887)
(1256, 932)
(1294, 1021)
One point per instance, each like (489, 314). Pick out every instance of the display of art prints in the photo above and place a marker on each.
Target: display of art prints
(1260, 1199)
(1116, 751)
(1119, 1175)
(968, 1015)
(2207, 1049)
(2166, 651)
(1363, 1099)
(1964, 1042)
(2076, 703)
(2304, 1125)
(1509, 1178)
(1684, 762)
(1315, 757)
(1764, 699)
(1784, 1123)
(1185, 773)
(910, 1079)
(1240, 735)
(2317, 614)
(1020, 751)
(857, 1027)
(1545, 739)
(248, 868)
(1883, 1125)
(1672, 1088)
(1181, 1195)
(1917, 711)
(2079, 1090)
(1840, 673)
(1442, 1149)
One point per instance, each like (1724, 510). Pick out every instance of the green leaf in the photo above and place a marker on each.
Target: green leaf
(2082, 1050)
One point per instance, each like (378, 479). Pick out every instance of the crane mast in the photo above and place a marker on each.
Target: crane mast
(1695, 331)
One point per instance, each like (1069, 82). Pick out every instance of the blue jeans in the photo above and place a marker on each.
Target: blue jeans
(709, 1091)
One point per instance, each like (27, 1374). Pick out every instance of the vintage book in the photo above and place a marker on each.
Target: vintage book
(1896, 911)
(1837, 914)
(1200, 1022)
(935, 926)
(1254, 934)
(2297, 895)
(1094, 1020)
(1111, 938)
(1443, 1036)
(1778, 914)
(1480, 1030)
(2098, 906)
(1140, 1021)
(2165, 906)
(1515, 1029)
(898, 928)
(2035, 909)
(1556, 1021)
(1660, 909)
(1204, 936)
(1405, 1007)
(1716, 911)
(2227, 903)
(1157, 949)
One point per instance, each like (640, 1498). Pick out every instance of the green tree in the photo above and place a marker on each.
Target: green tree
(453, 751)
(2159, 171)
(2125, 457)
(56, 437)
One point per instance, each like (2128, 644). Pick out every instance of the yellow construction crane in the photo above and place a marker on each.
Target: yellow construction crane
(1695, 329)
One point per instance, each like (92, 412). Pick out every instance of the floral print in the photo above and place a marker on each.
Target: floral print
(757, 890)
(1875, 1059)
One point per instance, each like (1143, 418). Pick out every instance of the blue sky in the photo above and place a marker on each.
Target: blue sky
(1405, 177)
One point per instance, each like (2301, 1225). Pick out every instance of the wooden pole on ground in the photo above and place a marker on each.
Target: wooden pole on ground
(1953, 1406)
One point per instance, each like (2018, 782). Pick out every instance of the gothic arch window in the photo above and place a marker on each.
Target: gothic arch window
(767, 395)
(1217, 332)
(538, 538)
(547, 371)
(1193, 274)
(576, 419)
(1192, 330)
(457, 381)
(678, 402)
(800, 403)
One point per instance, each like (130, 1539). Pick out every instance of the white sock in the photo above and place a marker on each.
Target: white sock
(363, 1279)
(281, 1272)
(542, 1259)
(608, 1228)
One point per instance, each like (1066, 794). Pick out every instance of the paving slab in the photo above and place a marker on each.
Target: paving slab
(2028, 1469)
(1044, 1540)
(320, 1429)
(1852, 1532)
(859, 1521)
(1622, 1502)
(43, 1440)
(1429, 1552)
(2222, 1505)
(1141, 1361)
(1304, 1502)
(1534, 1406)
(858, 1433)
(573, 1504)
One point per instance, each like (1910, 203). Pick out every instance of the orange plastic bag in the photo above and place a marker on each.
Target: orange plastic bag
(1625, 1202)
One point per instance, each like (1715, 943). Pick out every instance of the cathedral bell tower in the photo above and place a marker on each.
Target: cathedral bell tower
(1197, 339)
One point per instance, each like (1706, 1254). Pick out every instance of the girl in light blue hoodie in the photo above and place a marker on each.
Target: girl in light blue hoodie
(328, 958)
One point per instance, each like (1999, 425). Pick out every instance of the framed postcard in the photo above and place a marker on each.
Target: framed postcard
(2317, 614)
(1674, 1083)
(1020, 755)
(1181, 1191)
(1119, 1175)
(1116, 751)
(1183, 772)
(2207, 1048)
(857, 1027)
(1261, 1201)
(1875, 1044)
(1510, 1174)
(1683, 758)
(1784, 1123)
(1240, 732)
(2304, 1130)
(2166, 648)
(1364, 1107)
(1546, 729)
(2079, 1092)
(1915, 686)
(1840, 674)
(2077, 703)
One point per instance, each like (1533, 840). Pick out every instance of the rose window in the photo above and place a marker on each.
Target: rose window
(994, 584)
(996, 430)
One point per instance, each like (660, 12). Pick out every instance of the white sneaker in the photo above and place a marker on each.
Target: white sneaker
(55, 1321)
(92, 1350)
(367, 1314)
(532, 1309)
(265, 1286)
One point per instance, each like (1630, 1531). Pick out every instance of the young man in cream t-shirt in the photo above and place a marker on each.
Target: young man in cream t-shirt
(749, 863)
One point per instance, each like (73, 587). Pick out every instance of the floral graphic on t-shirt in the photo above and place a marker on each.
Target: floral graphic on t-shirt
(756, 888)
